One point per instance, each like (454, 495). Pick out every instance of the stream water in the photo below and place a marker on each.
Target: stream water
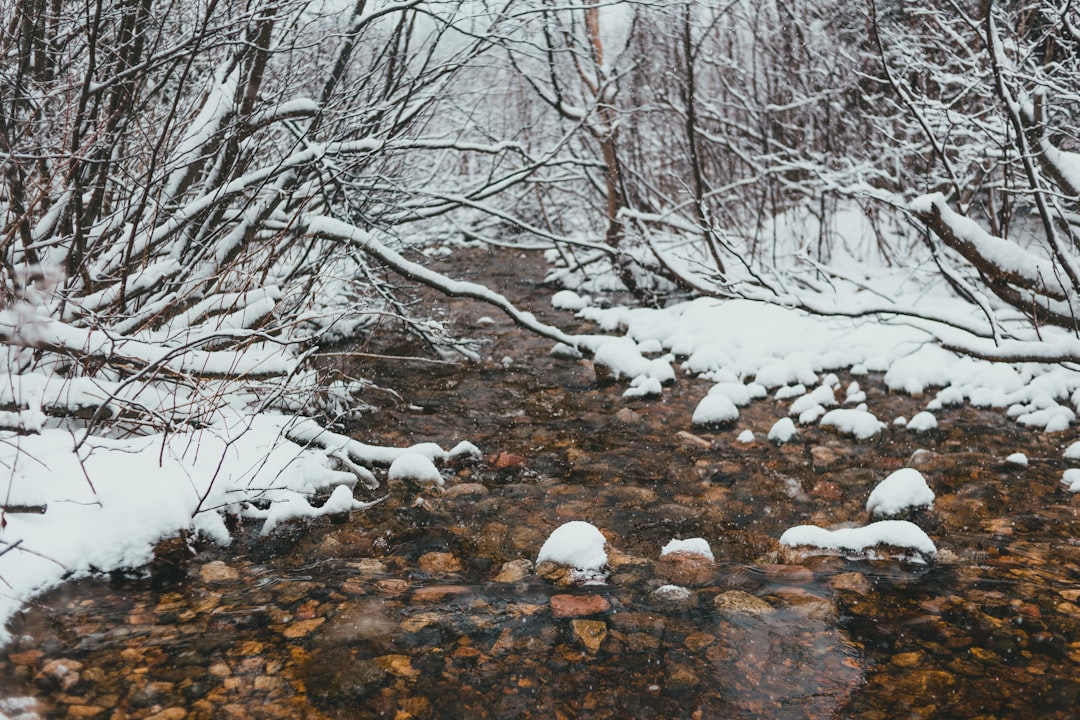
(427, 604)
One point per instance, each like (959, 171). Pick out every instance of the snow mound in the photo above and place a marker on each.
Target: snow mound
(714, 410)
(895, 533)
(906, 488)
(746, 437)
(691, 546)
(1072, 452)
(858, 423)
(570, 300)
(577, 544)
(1017, 458)
(738, 393)
(922, 422)
(1071, 478)
(415, 467)
(783, 430)
(643, 386)
(821, 396)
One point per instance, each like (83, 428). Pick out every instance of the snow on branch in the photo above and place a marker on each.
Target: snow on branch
(996, 258)
(332, 228)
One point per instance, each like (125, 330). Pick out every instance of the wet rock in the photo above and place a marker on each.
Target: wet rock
(173, 713)
(569, 606)
(674, 597)
(627, 416)
(465, 490)
(590, 633)
(692, 440)
(514, 571)
(217, 571)
(855, 582)
(823, 457)
(908, 659)
(698, 641)
(62, 674)
(506, 461)
(336, 678)
(397, 665)
(438, 593)
(680, 676)
(685, 568)
(302, 628)
(739, 603)
(440, 563)
(85, 711)
(826, 490)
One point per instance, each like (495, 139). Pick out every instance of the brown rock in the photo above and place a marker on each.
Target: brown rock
(822, 457)
(627, 416)
(513, 571)
(399, 665)
(62, 673)
(465, 490)
(217, 571)
(505, 460)
(826, 490)
(302, 628)
(788, 573)
(855, 582)
(567, 606)
(173, 713)
(908, 659)
(391, 586)
(737, 602)
(689, 438)
(438, 593)
(440, 563)
(84, 711)
(590, 633)
(698, 641)
(689, 569)
(26, 657)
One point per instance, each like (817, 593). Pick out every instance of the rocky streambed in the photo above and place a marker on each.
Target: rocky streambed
(428, 604)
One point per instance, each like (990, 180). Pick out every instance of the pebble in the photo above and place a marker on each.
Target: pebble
(737, 602)
(217, 571)
(590, 633)
(569, 606)
(514, 571)
(440, 563)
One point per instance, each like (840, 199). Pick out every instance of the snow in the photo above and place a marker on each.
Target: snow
(690, 546)
(577, 544)
(1017, 458)
(715, 409)
(107, 505)
(1071, 478)
(745, 437)
(569, 300)
(922, 422)
(902, 490)
(896, 533)
(415, 467)
(1072, 452)
(858, 423)
(783, 430)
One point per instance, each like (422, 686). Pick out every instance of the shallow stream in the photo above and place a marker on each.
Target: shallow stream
(427, 605)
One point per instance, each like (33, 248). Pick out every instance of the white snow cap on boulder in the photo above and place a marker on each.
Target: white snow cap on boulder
(690, 546)
(414, 467)
(714, 410)
(897, 533)
(577, 544)
(906, 488)
(783, 430)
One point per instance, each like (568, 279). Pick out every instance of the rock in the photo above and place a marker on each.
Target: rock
(173, 713)
(369, 566)
(590, 633)
(855, 582)
(628, 416)
(698, 641)
(84, 711)
(438, 593)
(908, 659)
(568, 606)
(397, 665)
(440, 563)
(674, 597)
(506, 461)
(689, 438)
(823, 457)
(25, 657)
(302, 628)
(826, 490)
(514, 571)
(62, 673)
(737, 602)
(464, 490)
(684, 568)
(217, 571)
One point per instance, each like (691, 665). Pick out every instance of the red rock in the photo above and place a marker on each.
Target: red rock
(567, 606)
(688, 569)
(504, 460)
(437, 593)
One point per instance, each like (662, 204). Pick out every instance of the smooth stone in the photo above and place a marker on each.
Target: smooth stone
(568, 606)
(217, 571)
(737, 602)
(590, 633)
(513, 571)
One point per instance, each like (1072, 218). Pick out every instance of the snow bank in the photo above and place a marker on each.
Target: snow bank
(577, 544)
(106, 506)
(902, 490)
(414, 467)
(783, 430)
(895, 533)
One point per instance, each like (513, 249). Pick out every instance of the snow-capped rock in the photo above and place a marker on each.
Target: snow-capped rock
(903, 490)
(576, 544)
